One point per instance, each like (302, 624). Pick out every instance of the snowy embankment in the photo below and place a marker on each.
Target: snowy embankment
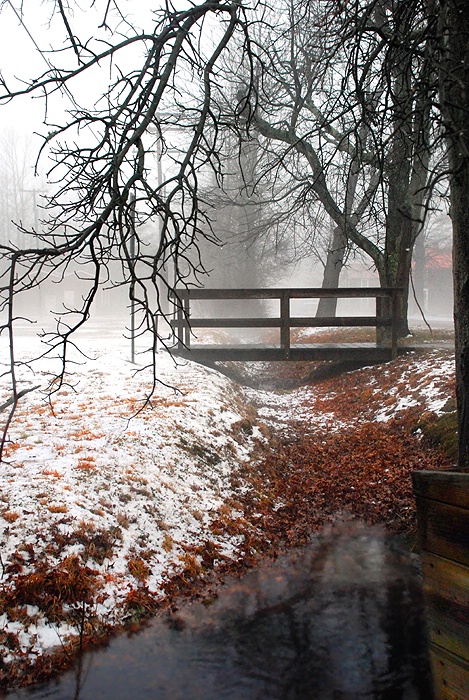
(95, 506)
(104, 509)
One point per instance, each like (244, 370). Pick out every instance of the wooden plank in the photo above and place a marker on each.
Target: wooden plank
(340, 353)
(445, 486)
(394, 324)
(230, 323)
(187, 334)
(222, 294)
(180, 329)
(261, 353)
(297, 346)
(294, 293)
(444, 529)
(446, 589)
(358, 352)
(450, 675)
(341, 292)
(338, 321)
(296, 322)
(248, 353)
(285, 329)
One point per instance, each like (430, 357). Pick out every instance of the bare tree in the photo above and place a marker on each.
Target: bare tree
(102, 174)
(345, 107)
(351, 122)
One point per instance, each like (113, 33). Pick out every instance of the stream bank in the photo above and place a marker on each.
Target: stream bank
(340, 619)
(328, 460)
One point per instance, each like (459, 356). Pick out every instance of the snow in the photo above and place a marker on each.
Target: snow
(97, 474)
(408, 382)
(141, 485)
(423, 380)
(281, 411)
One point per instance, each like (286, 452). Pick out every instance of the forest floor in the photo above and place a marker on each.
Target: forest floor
(105, 517)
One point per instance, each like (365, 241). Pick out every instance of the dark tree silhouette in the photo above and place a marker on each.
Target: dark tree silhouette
(453, 33)
(103, 170)
(348, 106)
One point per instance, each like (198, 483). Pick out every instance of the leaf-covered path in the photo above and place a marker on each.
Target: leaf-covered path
(344, 447)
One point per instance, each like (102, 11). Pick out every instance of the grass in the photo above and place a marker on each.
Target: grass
(442, 431)
(305, 473)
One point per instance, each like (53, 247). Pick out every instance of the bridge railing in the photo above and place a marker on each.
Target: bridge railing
(386, 314)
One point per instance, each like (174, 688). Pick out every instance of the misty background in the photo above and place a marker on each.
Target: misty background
(252, 242)
(246, 250)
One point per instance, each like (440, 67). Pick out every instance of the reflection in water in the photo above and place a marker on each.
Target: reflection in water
(340, 620)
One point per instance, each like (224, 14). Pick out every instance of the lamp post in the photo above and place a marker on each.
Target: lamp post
(132, 282)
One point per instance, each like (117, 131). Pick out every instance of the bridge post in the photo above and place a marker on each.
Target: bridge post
(379, 316)
(179, 327)
(387, 311)
(187, 330)
(285, 320)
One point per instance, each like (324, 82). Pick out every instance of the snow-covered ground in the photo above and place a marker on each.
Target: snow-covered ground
(95, 494)
(392, 388)
(86, 480)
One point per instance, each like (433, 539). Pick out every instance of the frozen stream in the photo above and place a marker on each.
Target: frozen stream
(341, 620)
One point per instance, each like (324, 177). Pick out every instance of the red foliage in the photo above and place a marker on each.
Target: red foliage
(364, 472)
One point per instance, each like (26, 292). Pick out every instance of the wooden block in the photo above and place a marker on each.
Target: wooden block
(444, 486)
(446, 588)
(444, 529)
(450, 675)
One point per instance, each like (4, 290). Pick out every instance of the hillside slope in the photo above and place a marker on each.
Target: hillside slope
(104, 517)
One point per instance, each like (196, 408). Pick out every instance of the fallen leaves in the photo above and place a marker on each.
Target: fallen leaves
(359, 467)
(54, 590)
(348, 451)
(10, 516)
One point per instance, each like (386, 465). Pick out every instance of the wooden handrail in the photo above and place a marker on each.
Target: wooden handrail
(293, 292)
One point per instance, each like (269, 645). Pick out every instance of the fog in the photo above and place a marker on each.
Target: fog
(254, 251)
(64, 291)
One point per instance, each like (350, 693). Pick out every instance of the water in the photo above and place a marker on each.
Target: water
(340, 620)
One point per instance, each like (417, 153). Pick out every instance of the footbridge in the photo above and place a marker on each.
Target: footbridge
(284, 315)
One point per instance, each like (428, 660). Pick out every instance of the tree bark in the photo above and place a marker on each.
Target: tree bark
(418, 275)
(327, 306)
(454, 98)
(336, 254)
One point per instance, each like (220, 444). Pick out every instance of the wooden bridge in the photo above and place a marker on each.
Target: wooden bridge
(185, 325)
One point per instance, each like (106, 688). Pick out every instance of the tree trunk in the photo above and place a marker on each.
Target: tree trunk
(418, 275)
(327, 307)
(454, 97)
(336, 253)
(396, 276)
(460, 217)
(394, 270)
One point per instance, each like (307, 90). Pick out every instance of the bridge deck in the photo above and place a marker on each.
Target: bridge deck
(339, 352)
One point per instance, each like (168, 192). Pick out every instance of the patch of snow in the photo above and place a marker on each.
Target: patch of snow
(101, 475)
(91, 475)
